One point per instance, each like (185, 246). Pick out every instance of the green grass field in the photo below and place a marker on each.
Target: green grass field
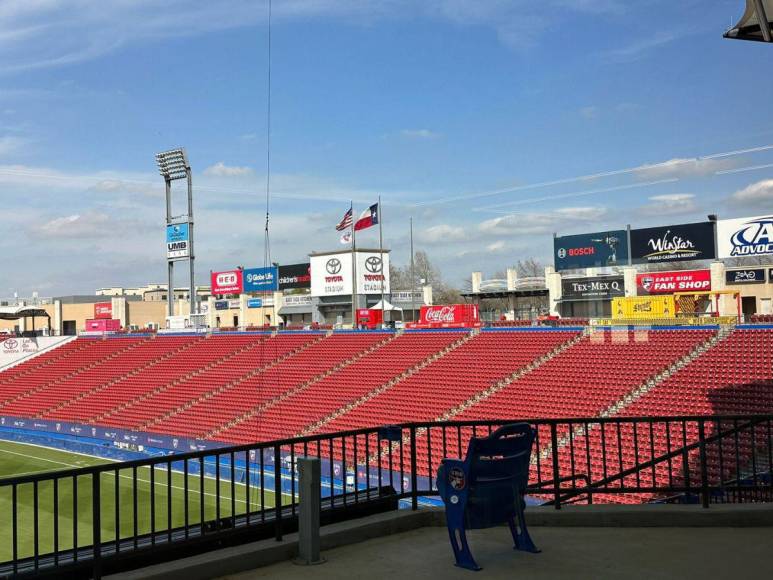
(19, 459)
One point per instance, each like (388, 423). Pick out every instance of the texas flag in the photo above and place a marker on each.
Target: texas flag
(367, 218)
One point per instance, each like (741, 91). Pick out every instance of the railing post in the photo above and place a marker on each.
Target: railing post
(96, 517)
(556, 483)
(704, 468)
(414, 477)
(278, 492)
(310, 473)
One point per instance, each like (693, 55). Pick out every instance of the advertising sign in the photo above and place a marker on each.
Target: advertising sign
(221, 304)
(599, 288)
(103, 310)
(177, 241)
(644, 307)
(448, 316)
(748, 276)
(295, 276)
(596, 250)
(261, 279)
(751, 236)
(673, 243)
(254, 303)
(331, 274)
(670, 282)
(228, 282)
(371, 272)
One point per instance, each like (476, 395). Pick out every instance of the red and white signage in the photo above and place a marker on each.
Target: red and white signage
(670, 282)
(103, 325)
(103, 310)
(448, 316)
(228, 282)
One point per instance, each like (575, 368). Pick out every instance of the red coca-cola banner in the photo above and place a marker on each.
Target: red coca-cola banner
(448, 316)
(229, 282)
(670, 282)
(103, 310)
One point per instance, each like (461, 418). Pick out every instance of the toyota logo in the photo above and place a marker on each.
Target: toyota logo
(561, 253)
(11, 343)
(373, 265)
(333, 266)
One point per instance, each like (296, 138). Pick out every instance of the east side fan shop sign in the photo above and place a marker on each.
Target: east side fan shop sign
(671, 282)
(673, 243)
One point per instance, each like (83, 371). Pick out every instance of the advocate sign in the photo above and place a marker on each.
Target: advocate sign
(671, 282)
(751, 236)
(596, 250)
(600, 288)
(673, 243)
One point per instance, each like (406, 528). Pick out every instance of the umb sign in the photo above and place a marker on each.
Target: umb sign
(671, 282)
(177, 241)
(751, 236)
(228, 282)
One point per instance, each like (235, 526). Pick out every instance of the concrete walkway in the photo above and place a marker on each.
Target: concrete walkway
(571, 553)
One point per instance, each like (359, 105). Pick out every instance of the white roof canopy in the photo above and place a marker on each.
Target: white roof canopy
(389, 307)
(748, 27)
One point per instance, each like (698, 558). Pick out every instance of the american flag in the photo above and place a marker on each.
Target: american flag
(346, 221)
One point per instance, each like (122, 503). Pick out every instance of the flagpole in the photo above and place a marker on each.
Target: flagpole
(354, 270)
(413, 280)
(381, 252)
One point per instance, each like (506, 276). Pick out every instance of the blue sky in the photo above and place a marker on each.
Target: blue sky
(478, 118)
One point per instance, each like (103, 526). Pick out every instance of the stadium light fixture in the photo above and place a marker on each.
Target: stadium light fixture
(173, 164)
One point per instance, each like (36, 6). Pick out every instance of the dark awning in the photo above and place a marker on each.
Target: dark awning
(17, 312)
(499, 294)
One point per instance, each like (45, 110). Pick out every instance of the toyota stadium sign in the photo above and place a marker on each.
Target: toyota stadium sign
(596, 250)
(228, 282)
(331, 274)
(599, 288)
(671, 282)
(742, 237)
(673, 243)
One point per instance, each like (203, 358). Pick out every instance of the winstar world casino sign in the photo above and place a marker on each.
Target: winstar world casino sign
(670, 282)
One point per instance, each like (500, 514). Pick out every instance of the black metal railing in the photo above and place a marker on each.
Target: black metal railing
(94, 519)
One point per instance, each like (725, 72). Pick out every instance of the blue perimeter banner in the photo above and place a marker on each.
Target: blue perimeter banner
(596, 250)
(261, 279)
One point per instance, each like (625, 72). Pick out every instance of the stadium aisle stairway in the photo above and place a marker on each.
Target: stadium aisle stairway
(185, 391)
(185, 356)
(231, 410)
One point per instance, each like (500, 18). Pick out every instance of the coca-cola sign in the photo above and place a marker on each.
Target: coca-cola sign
(449, 314)
(673, 243)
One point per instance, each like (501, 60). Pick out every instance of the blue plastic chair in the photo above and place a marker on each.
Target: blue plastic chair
(487, 489)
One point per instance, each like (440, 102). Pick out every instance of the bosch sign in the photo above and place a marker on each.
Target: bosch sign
(599, 249)
(229, 282)
(745, 236)
(671, 282)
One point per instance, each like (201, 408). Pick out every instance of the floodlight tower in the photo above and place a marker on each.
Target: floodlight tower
(173, 165)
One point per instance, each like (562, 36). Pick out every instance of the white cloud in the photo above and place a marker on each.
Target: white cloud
(641, 47)
(496, 247)
(419, 134)
(443, 233)
(79, 226)
(220, 169)
(684, 167)
(10, 144)
(531, 223)
(590, 112)
(759, 192)
(669, 204)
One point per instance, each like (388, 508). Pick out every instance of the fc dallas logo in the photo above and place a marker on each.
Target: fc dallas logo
(647, 282)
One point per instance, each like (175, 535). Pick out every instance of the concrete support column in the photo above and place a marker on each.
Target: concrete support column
(512, 279)
(426, 292)
(308, 511)
(243, 309)
(477, 277)
(56, 318)
(211, 312)
(727, 304)
(629, 281)
(119, 309)
(553, 283)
